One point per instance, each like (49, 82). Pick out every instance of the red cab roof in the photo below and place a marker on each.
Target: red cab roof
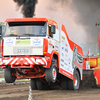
(49, 21)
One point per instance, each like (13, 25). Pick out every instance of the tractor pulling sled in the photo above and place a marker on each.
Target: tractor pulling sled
(36, 49)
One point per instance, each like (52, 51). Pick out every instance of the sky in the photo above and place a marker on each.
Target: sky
(9, 9)
(63, 12)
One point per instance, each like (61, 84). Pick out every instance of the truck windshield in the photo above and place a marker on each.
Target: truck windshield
(26, 29)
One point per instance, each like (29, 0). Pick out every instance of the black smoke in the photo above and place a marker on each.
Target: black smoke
(28, 7)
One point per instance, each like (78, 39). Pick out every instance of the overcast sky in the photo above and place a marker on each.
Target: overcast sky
(58, 11)
(8, 9)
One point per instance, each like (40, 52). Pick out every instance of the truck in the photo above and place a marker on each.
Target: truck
(91, 66)
(40, 50)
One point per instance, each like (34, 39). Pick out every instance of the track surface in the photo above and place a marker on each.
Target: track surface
(1, 74)
(20, 91)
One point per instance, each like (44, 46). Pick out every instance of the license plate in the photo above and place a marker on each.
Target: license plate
(22, 50)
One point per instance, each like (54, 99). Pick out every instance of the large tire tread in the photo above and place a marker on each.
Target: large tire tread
(40, 85)
(8, 74)
(33, 84)
(49, 72)
(71, 84)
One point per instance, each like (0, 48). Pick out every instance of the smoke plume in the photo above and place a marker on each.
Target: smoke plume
(28, 7)
(86, 13)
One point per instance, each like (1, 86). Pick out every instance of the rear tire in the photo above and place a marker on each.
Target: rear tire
(74, 84)
(40, 85)
(64, 83)
(9, 75)
(33, 84)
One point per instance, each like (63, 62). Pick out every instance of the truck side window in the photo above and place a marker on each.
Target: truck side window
(51, 35)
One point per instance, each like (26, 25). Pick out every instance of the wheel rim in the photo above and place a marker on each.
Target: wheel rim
(75, 82)
(54, 73)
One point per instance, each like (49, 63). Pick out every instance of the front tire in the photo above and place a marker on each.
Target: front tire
(9, 75)
(51, 74)
(75, 83)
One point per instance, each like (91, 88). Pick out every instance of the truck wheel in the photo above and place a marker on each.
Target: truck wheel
(33, 84)
(64, 83)
(74, 84)
(9, 75)
(51, 74)
(40, 85)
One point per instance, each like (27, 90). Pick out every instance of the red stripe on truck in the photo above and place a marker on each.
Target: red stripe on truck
(72, 44)
(66, 73)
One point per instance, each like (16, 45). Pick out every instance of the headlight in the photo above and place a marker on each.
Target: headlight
(38, 60)
(5, 60)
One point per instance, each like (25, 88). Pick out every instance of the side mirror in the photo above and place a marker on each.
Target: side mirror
(0, 31)
(53, 29)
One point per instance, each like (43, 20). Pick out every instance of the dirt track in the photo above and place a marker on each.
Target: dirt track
(1, 75)
(20, 91)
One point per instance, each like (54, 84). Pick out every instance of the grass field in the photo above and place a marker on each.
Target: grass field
(1, 71)
(22, 80)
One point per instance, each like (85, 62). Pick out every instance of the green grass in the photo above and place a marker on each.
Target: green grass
(23, 80)
(1, 71)
(2, 82)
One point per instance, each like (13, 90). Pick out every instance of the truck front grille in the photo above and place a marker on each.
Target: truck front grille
(22, 50)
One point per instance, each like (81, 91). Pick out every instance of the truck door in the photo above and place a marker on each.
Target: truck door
(53, 41)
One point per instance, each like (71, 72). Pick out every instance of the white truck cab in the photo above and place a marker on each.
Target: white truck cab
(36, 48)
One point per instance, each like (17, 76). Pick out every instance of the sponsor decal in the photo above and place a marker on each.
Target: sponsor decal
(62, 41)
(66, 44)
(62, 60)
(66, 74)
(69, 59)
(50, 44)
(62, 48)
(62, 65)
(22, 42)
(65, 64)
(62, 55)
(56, 47)
(66, 49)
(36, 41)
(56, 43)
(9, 42)
(77, 64)
(63, 37)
